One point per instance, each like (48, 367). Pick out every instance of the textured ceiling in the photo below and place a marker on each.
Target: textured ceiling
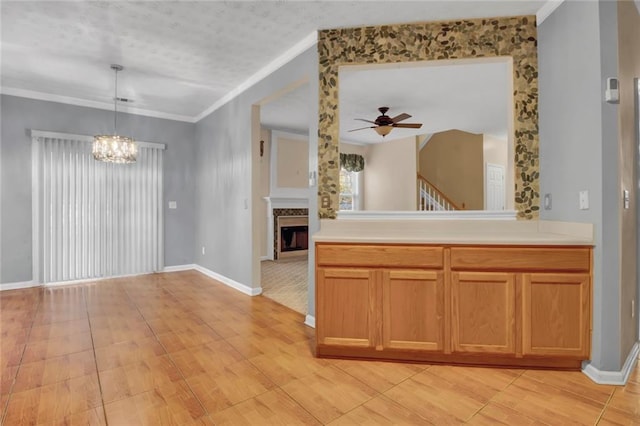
(181, 57)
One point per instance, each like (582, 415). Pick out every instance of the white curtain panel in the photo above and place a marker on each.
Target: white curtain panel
(94, 219)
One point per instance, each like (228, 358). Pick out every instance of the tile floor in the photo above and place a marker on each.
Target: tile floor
(180, 348)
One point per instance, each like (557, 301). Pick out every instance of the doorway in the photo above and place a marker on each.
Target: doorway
(283, 196)
(494, 187)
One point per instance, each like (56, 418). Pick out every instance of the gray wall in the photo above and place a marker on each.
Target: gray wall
(18, 115)
(578, 148)
(224, 199)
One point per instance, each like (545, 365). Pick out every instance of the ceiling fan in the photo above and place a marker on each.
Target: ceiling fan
(384, 124)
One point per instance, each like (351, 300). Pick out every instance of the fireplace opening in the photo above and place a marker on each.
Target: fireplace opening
(292, 236)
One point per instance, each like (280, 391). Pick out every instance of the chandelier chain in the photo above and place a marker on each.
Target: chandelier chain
(115, 106)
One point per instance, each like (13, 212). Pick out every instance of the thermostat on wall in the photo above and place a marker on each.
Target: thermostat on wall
(611, 94)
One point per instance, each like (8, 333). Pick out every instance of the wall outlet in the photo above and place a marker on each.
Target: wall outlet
(547, 201)
(633, 308)
(325, 202)
(203, 250)
(173, 205)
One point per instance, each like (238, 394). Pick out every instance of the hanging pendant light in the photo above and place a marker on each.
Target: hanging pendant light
(115, 148)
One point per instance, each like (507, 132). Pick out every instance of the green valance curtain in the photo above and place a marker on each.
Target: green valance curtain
(352, 162)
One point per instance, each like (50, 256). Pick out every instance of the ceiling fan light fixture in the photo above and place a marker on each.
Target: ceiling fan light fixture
(383, 130)
(115, 148)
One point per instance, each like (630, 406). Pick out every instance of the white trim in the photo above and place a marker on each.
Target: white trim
(287, 203)
(229, 282)
(614, 377)
(85, 138)
(90, 280)
(19, 285)
(35, 210)
(428, 215)
(310, 321)
(271, 67)
(178, 268)
(68, 100)
(264, 258)
(546, 10)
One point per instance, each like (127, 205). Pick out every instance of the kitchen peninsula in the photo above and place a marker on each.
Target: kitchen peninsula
(482, 292)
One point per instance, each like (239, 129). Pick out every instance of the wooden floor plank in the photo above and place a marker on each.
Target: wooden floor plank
(181, 348)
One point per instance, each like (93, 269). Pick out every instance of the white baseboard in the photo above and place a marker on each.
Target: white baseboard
(95, 279)
(614, 377)
(264, 258)
(18, 285)
(310, 321)
(229, 282)
(178, 268)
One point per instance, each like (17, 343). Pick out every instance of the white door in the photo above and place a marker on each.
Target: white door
(494, 187)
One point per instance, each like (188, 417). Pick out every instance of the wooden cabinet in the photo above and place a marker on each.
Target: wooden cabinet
(483, 312)
(346, 302)
(413, 310)
(365, 303)
(377, 308)
(515, 306)
(556, 315)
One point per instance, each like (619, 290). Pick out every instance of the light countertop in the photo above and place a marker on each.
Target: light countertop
(455, 231)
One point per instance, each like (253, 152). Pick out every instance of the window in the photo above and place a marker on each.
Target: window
(349, 190)
(95, 219)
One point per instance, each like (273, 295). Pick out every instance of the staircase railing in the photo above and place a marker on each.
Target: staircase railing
(430, 198)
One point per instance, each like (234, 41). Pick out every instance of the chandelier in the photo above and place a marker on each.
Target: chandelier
(115, 148)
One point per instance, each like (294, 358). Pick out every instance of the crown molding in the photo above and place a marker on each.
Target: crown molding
(272, 66)
(546, 10)
(268, 69)
(32, 94)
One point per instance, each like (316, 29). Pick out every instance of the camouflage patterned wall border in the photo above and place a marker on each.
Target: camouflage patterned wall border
(474, 38)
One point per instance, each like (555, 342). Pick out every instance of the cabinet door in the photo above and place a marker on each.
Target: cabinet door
(345, 307)
(413, 310)
(556, 315)
(483, 312)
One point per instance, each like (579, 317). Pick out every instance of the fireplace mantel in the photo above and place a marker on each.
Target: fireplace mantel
(289, 202)
(280, 202)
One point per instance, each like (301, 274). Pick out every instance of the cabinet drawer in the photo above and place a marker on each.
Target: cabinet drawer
(379, 256)
(521, 258)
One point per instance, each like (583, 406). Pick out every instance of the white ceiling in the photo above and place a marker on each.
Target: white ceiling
(182, 57)
(473, 97)
(469, 97)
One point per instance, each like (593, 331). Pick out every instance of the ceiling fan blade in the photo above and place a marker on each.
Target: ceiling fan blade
(368, 121)
(400, 117)
(408, 125)
(362, 128)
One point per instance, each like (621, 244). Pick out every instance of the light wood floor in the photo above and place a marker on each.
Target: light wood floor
(180, 348)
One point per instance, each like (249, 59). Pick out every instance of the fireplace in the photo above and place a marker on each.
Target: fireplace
(292, 236)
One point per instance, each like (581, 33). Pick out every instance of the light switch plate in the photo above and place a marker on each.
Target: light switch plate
(626, 198)
(584, 200)
(173, 205)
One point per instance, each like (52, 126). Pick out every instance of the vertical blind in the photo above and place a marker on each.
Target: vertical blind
(94, 219)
